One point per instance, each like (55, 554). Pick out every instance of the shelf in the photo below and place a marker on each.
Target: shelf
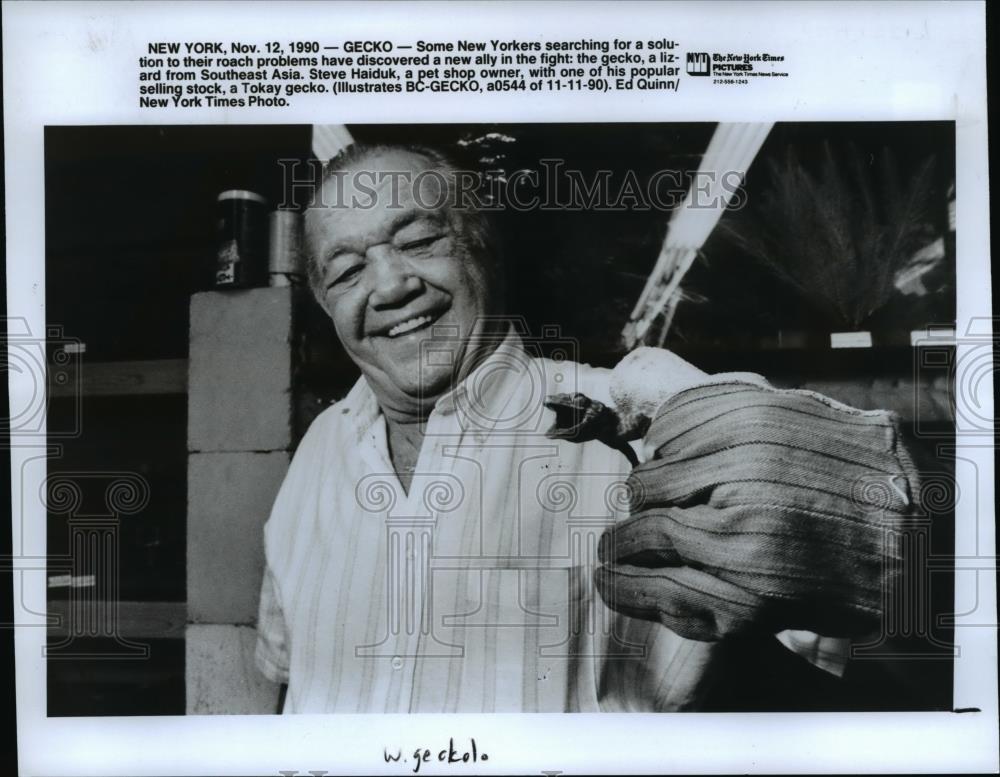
(136, 620)
(125, 378)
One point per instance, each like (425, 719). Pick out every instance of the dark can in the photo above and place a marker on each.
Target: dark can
(284, 259)
(241, 248)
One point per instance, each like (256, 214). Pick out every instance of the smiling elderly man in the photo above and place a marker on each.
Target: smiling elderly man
(432, 549)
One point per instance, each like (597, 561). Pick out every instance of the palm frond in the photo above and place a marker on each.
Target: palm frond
(838, 237)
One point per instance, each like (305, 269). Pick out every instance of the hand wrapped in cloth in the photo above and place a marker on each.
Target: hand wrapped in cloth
(762, 509)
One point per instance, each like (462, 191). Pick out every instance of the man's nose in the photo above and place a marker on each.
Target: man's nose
(393, 282)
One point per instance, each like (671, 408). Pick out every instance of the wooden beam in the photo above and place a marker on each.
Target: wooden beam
(138, 620)
(127, 378)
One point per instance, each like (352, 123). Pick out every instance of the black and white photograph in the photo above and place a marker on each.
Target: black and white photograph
(501, 418)
(473, 388)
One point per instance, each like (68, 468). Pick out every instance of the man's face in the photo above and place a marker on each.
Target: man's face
(392, 272)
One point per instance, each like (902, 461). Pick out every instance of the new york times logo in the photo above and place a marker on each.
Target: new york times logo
(698, 63)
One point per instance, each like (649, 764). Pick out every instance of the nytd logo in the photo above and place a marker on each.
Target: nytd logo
(698, 63)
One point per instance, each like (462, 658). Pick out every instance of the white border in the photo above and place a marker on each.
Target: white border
(74, 63)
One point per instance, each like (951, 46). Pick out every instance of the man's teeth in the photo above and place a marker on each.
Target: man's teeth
(406, 326)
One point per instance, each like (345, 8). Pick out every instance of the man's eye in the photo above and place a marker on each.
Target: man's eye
(423, 242)
(346, 275)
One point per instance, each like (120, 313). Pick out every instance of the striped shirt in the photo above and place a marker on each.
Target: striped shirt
(473, 591)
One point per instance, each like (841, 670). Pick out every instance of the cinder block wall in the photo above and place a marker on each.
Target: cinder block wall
(240, 437)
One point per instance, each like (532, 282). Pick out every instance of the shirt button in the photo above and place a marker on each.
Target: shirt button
(397, 662)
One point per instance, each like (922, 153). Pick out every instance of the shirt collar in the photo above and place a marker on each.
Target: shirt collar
(360, 406)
